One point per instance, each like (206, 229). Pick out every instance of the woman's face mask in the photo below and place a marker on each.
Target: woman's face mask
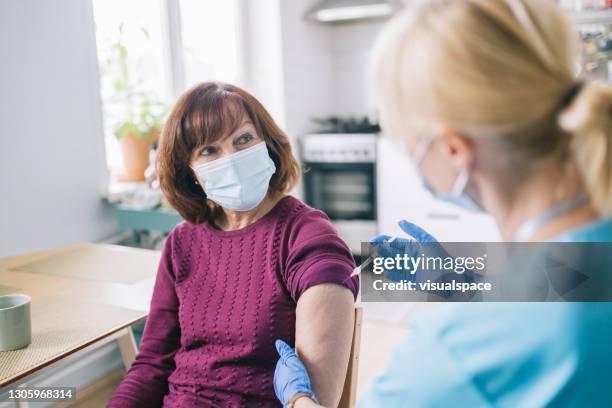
(239, 181)
(457, 195)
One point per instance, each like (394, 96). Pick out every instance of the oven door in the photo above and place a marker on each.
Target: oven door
(345, 191)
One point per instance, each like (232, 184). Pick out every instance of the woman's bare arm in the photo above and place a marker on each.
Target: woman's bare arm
(323, 333)
(306, 403)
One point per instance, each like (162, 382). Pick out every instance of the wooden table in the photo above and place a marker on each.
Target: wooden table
(83, 296)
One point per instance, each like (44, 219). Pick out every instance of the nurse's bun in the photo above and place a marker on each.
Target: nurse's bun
(588, 118)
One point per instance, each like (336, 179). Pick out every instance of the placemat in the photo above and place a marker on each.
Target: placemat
(60, 326)
(109, 263)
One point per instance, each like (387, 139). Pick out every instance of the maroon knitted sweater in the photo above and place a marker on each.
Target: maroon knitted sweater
(221, 299)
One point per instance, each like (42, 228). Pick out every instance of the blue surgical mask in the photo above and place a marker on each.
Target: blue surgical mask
(238, 182)
(457, 195)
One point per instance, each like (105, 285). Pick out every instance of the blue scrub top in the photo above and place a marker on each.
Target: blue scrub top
(505, 354)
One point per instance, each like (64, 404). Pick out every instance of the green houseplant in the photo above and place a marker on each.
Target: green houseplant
(133, 113)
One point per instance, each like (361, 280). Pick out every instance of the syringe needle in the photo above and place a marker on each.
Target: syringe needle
(368, 261)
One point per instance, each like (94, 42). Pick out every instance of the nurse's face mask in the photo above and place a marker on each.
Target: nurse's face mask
(239, 181)
(457, 196)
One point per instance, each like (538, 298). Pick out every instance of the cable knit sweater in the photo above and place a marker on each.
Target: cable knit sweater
(221, 299)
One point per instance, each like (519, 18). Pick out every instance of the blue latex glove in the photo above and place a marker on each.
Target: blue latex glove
(412, 247)
(290, 376)
(407, 246)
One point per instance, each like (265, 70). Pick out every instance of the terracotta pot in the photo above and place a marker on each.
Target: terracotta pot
(135, 152)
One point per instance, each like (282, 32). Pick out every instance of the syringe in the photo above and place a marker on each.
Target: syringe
(369, 259)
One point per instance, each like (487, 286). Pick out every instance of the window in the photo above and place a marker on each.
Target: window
(151, 51)
(210, 34)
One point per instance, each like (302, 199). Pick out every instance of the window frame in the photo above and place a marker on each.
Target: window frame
(173, 46)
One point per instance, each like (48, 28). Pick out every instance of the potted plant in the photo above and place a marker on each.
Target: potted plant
(134, 114)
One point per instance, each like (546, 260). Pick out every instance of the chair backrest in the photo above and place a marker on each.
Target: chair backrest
(349, 392)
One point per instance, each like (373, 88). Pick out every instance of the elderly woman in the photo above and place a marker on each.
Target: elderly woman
(248, 265)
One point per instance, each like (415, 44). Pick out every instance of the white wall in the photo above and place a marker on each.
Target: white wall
(351, 47)
(52, 166)
(324, 66)
(262, 53)
(307, 66)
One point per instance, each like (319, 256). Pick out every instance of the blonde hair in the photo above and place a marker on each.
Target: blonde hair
(497, 68)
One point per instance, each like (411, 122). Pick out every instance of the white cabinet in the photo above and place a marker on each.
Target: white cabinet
(401, 196)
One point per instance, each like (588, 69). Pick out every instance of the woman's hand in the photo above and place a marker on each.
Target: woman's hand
(290, 376)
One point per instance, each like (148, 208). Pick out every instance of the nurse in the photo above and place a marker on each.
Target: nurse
(484, 96)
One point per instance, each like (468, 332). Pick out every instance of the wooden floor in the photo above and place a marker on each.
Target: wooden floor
(98, 394)
(99, 398)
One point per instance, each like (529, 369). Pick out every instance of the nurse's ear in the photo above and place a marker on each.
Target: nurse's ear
(457, 148)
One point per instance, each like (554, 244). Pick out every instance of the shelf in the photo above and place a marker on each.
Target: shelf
(592, 16)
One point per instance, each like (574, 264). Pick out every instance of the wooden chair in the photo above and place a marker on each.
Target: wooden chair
(349, 392)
